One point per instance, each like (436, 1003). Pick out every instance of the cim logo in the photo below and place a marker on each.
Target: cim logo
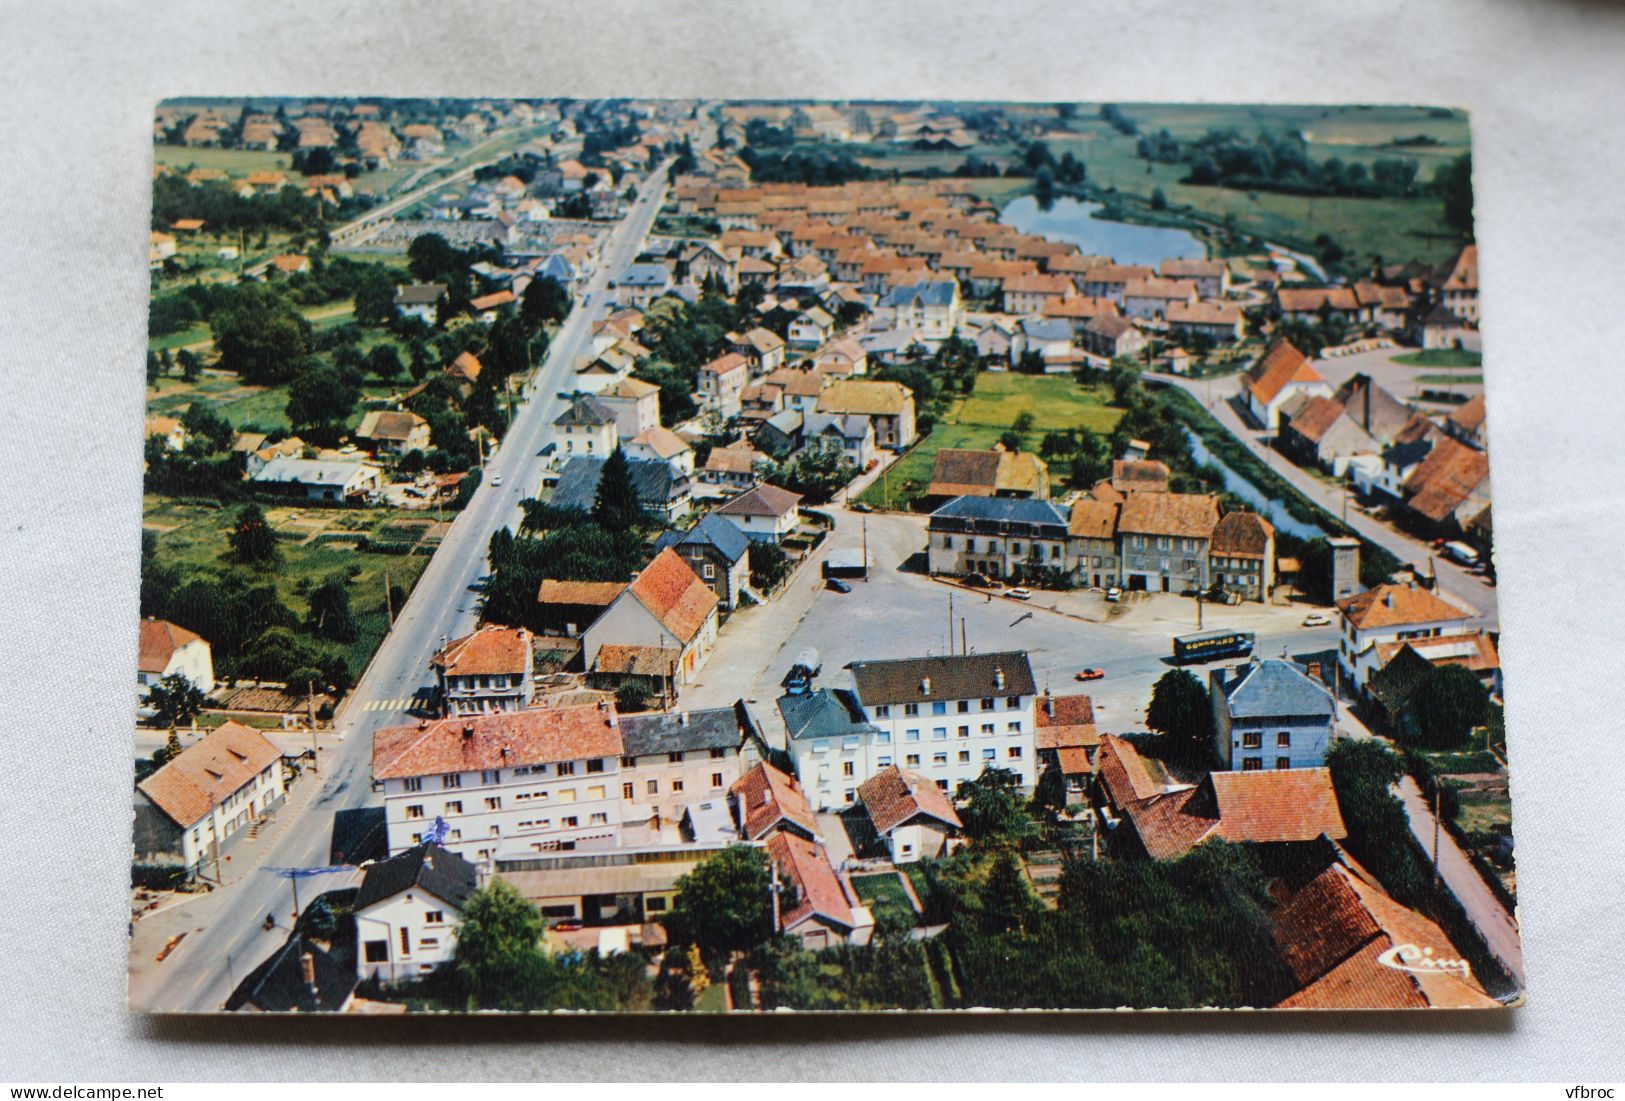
(1422, 961)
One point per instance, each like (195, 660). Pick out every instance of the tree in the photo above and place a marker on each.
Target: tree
(1454, 183)
(1364, 771)
(1008, 903)
(190, 364)
(1449, 703)
(769, 565)
(206, 427)
(497, 942)
(155, 367)
(616, 506)
(175, 700)
(1030, 362)
(1091, 458)
(252, 540)
(375, 297)
(724, 905)
(321, 399)
(385, 362)
(261, 337)
(330, 615)
(1179, 711)
(632, 695)
(1159, 201)
(169, 750)
(994, 810)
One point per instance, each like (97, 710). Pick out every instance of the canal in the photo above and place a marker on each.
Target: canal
(1073, 220)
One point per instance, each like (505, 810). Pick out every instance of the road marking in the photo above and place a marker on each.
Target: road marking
(390, 705)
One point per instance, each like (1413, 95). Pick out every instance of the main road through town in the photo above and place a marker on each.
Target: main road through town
(201, 973)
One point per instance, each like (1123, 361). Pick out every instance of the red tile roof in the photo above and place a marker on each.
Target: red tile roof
(159, 641)
(1334, 933)
(674, 595)
(1184, 515)
(599, 593)
(207, 773)
(1316, 418)
(1288, 804)
(818, 889)
(894, 797)
(487, 651)
(1093, 519)
(767, 797)
(508, 740)
(1242, 535)
(1064, 722)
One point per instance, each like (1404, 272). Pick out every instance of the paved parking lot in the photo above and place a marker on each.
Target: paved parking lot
(896, 614)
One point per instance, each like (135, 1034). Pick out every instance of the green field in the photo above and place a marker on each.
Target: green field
(236, 162)
(1441, 357)
(1451, 380)
(192, 537)
(883, 892)
(1055, 401)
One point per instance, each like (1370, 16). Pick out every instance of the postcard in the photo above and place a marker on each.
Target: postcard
(693, 556)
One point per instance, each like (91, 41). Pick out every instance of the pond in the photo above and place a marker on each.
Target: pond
(1072, 220)
(1268, 507)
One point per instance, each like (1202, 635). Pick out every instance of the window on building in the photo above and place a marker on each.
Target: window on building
(848, 768)
(1252, 764)
(910, 709)
(964, 756)
(1013, 728)
(716, 779)
(626, 791)
(718, 754)
(377, 951)
(988, 754)
(1252, 739)
(415, 810)
(912, 760)
(911, 735)
(595, 792)
(987, 703)
(1014, 752)
(939, 758)
(963, 731)
(882, 762)
(655, 905)
(987, 728)
(883, 711)
(939, 733)
(674, 758)
(676, 785)
(406, 941)
(629, 762)
(451, 780)
(492, 776)
(1012, 702)
(567, 768)
(596, 764)
(570, 822)
(652, 787)
(454, 806)
(1283, 762)
(1283, 738)
(411, 783)
(600, 818)
(494, 803)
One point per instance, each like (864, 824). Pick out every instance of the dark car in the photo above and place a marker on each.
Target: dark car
(838, 585)
(859, 506)
(977, 581)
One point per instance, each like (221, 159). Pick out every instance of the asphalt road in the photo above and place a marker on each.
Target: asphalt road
(442, 605)
(1460, 586)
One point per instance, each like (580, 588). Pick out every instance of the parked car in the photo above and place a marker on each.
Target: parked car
(496, 479)
(1090, 673)
(859, 506)
(978, 581)
(1020, 593)
(1113, 595)
(838, 585)
(1317, 619)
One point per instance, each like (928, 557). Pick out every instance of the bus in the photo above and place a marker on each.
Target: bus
(1211, 646)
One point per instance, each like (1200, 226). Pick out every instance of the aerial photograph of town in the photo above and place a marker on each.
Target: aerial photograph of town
(641, 555)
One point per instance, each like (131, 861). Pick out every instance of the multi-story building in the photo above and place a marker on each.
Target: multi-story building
(667, 614)
(1270, 714)
(1390, 613)
(212, 790)
(672, 760)
(167, 649)
(717, 552)
(539, 780)
(635, 403)
(946, 718)
(487, 671)
(588, 427)
(1091, 542)
(721, 381)
(996, 536)
(889, 405)
(1164, 540)
(1241, 555)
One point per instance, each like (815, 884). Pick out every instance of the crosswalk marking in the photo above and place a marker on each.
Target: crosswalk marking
(390, 705)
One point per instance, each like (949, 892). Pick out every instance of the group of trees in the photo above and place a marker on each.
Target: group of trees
(1272, 161)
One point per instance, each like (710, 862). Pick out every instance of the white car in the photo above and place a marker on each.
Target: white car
(1020, 594)
(1317, 619)
(1113, 595)
(496, 480)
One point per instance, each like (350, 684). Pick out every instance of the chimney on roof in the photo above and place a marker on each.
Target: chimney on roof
(1314, 670)
(307, 971)
(1049, 703)
(998, 677)
(925, 686)
(1387, 600)
(468, 730)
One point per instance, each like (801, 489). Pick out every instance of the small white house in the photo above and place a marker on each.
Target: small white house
(765, 513)
(167, 649)
(408, 910)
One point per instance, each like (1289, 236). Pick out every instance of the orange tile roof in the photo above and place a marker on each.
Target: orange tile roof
(1316, 418)
(638, 661)
(767, 797)
(465, 366)
(489, 650)
(1065, 722)
(1092, 519)
(1393, 605)
(894, 797)
(512, 739)
(159, 641)
(674, 595)
(818, 889)
(207, 773)
(1278, 368)
(601, 593)
(1287, 804)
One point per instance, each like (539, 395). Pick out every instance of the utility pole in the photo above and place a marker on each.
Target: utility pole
(214, 841)
(773, 889)
(866, 548)
(962, 648)
(1198, 609)
(1435, 831)
(950, 624)
(389, 603)
(310, 711)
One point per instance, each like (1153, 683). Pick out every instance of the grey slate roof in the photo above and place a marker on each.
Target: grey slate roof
(946, 677)
(420, 294)
(578, 483)
(823, 714)
(437, 871)
(923, 294)
(1047, 328)
(1021, 510)
(278, 984)
(645, 275)
(714, 531)
(1274, 688)
(680, 731)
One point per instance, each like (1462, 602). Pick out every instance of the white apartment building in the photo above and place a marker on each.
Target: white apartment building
(947, 718)
(541, 780)
(1390, 613)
